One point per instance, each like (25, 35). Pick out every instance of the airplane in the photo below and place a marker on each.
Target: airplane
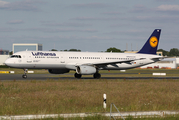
(86, 63)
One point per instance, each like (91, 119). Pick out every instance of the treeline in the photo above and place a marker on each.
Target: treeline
(67, 50)
(172, 52)
(112, 49)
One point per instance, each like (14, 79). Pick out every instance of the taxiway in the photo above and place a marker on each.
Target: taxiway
(70, 77)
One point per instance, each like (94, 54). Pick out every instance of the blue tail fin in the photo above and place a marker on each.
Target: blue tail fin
(151, 45)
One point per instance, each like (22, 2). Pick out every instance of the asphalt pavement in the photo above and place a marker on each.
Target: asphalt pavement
(71, 77)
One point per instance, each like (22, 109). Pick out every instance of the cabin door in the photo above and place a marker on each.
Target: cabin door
(62, 58)
(29, 58)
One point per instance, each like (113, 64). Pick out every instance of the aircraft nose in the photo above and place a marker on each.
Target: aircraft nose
(8, 62)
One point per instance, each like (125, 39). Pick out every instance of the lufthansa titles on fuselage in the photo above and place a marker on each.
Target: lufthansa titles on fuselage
(43, 54)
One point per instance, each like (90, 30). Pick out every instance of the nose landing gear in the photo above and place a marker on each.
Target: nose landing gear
(24, 75)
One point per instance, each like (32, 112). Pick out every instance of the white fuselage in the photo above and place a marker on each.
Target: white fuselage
(86, 63)
(70, 60)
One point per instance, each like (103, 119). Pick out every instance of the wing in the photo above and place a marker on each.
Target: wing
(115, 62)
(127, 61)
(159, 58)
(112, 62)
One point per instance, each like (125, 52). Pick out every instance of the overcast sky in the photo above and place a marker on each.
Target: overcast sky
(88, 25)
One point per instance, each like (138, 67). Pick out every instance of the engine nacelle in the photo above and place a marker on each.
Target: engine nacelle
(85, 70)
(58, 71)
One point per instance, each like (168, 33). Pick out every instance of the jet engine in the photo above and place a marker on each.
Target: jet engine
(58, 71)
(85, 70)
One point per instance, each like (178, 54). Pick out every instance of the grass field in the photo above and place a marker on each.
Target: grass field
(78, 96)
(86, 95)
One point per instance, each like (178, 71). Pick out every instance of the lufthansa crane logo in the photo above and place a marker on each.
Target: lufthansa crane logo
(153, 41)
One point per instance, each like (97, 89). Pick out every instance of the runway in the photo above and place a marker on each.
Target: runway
(71, 77)
(29, 77)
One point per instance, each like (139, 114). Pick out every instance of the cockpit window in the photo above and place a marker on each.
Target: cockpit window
(15, 56)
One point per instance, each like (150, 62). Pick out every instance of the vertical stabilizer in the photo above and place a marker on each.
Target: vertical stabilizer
(151, 45)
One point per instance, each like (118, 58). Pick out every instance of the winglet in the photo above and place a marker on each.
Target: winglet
(151, 45)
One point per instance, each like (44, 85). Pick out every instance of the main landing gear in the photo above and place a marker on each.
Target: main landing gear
(24, 75)
(95, 76)
(77, 75)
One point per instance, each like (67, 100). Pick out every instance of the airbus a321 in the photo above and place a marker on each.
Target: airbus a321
(86, 63)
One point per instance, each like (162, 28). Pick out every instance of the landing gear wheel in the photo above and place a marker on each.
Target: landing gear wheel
(97, 76)
(24, 76)
(77, 75)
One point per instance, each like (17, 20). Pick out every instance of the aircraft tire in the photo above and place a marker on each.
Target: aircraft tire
(77, 75)
(97, 76)
(24, 76)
